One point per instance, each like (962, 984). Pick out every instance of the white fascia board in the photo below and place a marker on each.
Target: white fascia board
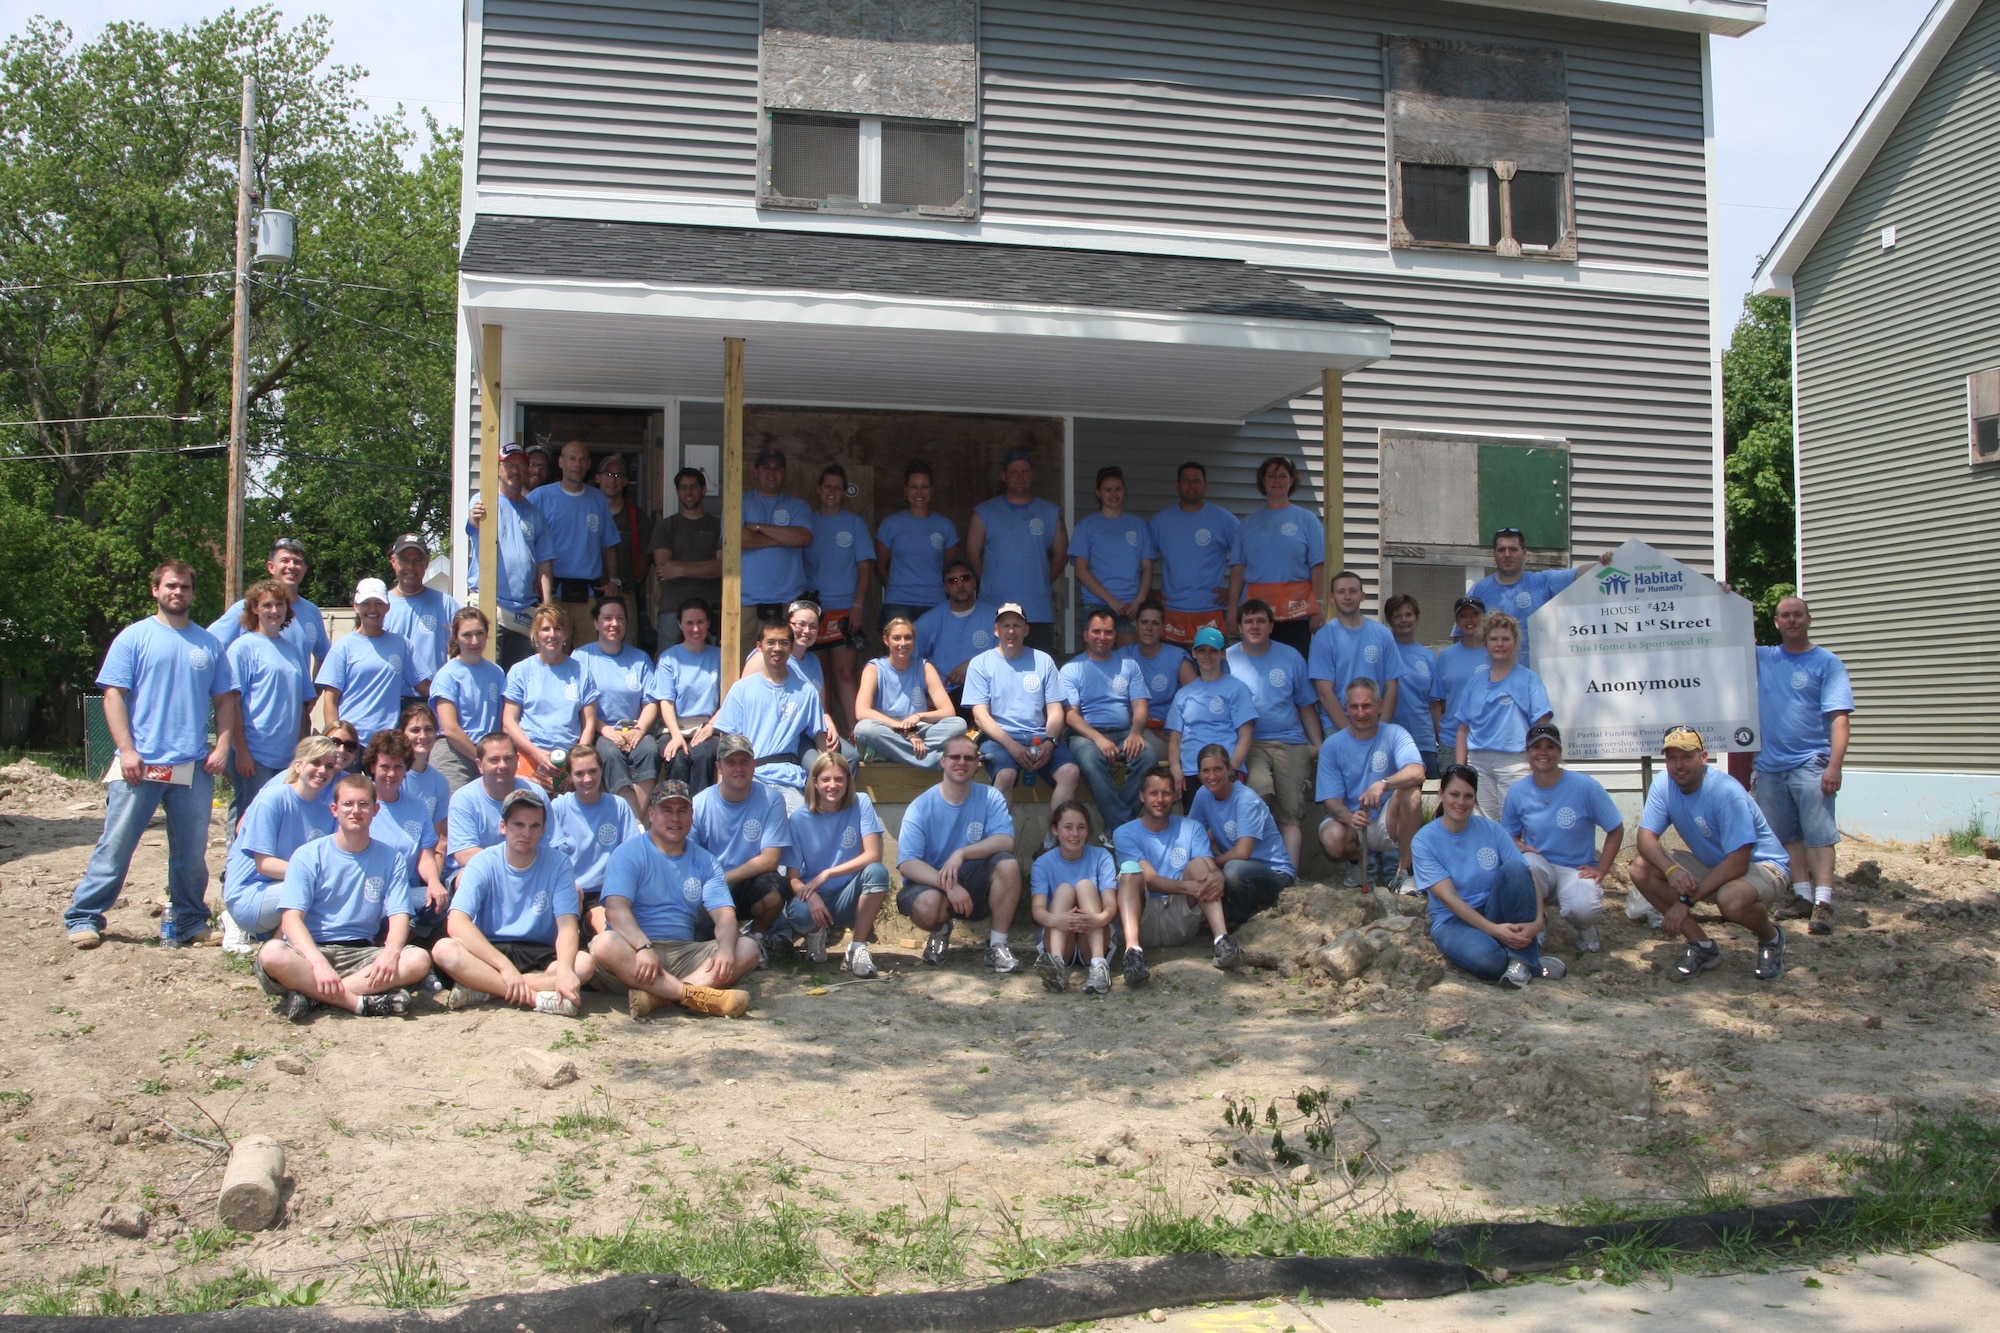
(1724, 18)
(1349, 347)
(1905, 81)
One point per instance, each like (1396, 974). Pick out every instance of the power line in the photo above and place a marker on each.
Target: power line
(311, 305)
(365, 287)
(78, 421)
(110, 282)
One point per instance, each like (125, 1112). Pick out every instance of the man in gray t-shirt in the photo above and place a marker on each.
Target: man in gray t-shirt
(686, 551)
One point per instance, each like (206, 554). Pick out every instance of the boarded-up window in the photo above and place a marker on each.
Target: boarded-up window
(1480, 109)
(1982, 393)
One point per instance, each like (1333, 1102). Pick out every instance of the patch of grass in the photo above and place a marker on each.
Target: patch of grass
(565, 1185)
(226, 1083)
(575, 1038)
(584, 1120)
(201, 1244)
(1935, 1181)
(770, 1248)
(401, 1278)
(1966, 841)
(153, 1087)
(96, 1291)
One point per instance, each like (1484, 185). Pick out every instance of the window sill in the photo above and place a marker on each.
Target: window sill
(1563, 252)
(957, 213)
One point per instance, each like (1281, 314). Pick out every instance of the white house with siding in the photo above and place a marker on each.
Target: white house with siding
(1892, 265)
(1122, 231)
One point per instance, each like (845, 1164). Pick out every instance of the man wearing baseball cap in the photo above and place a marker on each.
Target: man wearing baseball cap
(369, 673)
(777, 528)
(657, 891)
(745, 824)
(307, 630)
(523, 552)
(1018, 701)
(421, 615)
(1457, 663)
(1732, 859)
(1553, 818)
(1017, 544)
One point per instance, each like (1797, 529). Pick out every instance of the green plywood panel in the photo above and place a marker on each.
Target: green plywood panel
(1526, 489)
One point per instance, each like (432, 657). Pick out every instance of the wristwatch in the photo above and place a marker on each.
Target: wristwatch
(1686, 901)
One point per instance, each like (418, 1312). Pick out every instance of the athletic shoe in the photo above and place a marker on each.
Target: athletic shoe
(763, 950)
(1382, 869)
(1798, 909)
(1516, 975)
(936, 943)
(1771, 957)
(1002, 960)
(860, 962)
(1638, 909)
(1588, 940)
(234, 939)
(1136, 971)
(1697, 959)
(1099, 980)
(816, 945)
(1554, 969)
(389, 1004)
(83, 937)
(554, 1002)
(1354, 878)
(1822, 920)
(639, 1003)
(1229, 954)
(464, 997)
(710, 1000)
(1405, 883)
(294, 1007)
(1055, 977)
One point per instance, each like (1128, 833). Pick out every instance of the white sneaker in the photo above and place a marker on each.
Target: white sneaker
(1099, 980)
(1405, 884)
(552, 1002)
(763, 951)
(1587, 940)
(234, 938)
(860, 962)
(1554, 969)
(816, 945)
(1516, 975)
(1638, 909)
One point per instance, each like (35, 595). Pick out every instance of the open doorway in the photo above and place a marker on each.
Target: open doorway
(622, 440)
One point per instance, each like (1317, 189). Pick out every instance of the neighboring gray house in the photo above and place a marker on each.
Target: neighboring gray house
(1892, 264)
(1122, 231)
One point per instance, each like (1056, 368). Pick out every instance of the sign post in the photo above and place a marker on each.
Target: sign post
(1642, 645)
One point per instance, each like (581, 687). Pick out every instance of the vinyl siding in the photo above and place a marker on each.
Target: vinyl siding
(1899, 540)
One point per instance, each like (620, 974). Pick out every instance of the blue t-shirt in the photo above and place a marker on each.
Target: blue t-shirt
(1243, 815)
(621, 681)
(1278, 686)
(736, 832)
(475, 691)
(424, 621)
(807, 666)
(945, 638)
(307, 632)
(1796, 695)
(1535, 589)
(776, 719)
(169, 676)
(273, 689)
(433, 789)
(1561, 822)
(518, 906)
(374, 676)
(1114, 547)
(347, 897)
(1095, 868)
(933, 828)
(1208, 712)
(1162, 674)
(1470, 860)
(1016, 690)
(1413, 696)
(1016, 557)
(822, 840)
(1194, 556)
(1278, 545)
(840, 543)
(1349, 765)
(473, 819)
(774, 574)
(1167, 851)
(552, 699)
(580, 527)
(1457, 664)
(1103, 691)
(277, 823)
(1717, 819)
(916, 548)
(520, 544)
(1498, 713)
(901, 694)
(407, 822)
(666, 891)
(1341, 655)
(691, 682)
(590, 833)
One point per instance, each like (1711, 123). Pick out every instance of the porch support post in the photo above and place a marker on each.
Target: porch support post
(489, 473)
(731, 639)
(1333, 470)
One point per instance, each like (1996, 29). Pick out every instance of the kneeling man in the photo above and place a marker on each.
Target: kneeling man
(653, 889)
(1370, 777)
(1169, 886)
(512, 931)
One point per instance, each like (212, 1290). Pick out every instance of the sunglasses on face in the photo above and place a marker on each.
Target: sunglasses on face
(348, 745)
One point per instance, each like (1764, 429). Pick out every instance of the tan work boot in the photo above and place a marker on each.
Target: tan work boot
(639, 1003)
(709, 1000)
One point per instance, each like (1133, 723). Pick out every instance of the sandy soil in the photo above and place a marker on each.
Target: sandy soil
(927, 1085)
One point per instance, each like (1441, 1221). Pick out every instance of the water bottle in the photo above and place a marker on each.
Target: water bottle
(169, 937)
(1028, 774)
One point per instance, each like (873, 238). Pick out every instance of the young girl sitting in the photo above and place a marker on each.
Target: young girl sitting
(1075, 900)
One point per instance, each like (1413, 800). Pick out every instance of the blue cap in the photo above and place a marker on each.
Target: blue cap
(1208, 636)
(1016, 456)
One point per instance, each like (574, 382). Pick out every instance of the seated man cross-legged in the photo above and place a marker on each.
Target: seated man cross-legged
(513, 927)
(1249, 848)
(1370, 777)
(956, 846)
(1169, 887)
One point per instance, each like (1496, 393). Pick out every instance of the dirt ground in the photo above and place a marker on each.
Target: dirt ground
(930, 1090)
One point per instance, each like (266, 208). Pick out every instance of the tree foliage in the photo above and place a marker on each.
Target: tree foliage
(117, 237)
(1757, 456)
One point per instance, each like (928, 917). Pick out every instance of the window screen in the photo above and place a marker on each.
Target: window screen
(815, 157)
(1983, 389)
(923, 163)
(1437, 203)
(1538, 207)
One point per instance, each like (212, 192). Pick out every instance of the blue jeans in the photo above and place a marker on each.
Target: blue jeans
(244, 790)
(1118, 803)
(872, 879)
(888, 743)
(1513, 902)
(1794, 806)
(1248, 887)
(127, 808)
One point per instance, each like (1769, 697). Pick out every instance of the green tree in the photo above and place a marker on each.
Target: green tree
(1757, 456)
(117, 236)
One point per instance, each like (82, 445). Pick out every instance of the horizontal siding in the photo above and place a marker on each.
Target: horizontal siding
(620, 95)
(1899, 534)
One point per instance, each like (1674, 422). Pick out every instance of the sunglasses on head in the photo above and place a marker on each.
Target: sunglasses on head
(1466, 771)
(1515, 533)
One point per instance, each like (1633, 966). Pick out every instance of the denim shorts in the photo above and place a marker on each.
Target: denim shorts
(1794, 806)
(998, 760)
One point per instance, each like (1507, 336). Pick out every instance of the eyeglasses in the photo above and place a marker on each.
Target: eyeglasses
(959, 578)
(1515, 533)
(291, 544)
(961, 759)
(611, 475)
(348, 745)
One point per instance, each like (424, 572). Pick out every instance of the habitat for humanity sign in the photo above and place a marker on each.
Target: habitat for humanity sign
(1644, 644)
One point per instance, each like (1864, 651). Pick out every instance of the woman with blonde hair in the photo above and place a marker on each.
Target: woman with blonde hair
(284, 817)
(1494, 710)
(838, 878)
(551, 700)
(901, 709)
(275, 689)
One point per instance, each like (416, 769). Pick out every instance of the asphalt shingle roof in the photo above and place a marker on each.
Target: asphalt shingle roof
(935, 269)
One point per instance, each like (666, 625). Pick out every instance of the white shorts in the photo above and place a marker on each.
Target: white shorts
(1580, 900)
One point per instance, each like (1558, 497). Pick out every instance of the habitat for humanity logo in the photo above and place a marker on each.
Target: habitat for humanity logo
(1615, 582)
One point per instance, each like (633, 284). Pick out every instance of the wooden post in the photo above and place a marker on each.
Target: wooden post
(489, 474)
(239, 352)
(1333, 469)
(731, 638)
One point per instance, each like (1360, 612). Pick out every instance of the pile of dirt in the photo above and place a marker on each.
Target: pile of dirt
(1338, 935)
(26, 783)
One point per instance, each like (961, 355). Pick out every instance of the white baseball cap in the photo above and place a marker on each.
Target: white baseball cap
(371, 590)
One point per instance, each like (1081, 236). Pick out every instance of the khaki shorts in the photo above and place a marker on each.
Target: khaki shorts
(1767, 878)
(678, 958)
(347, 959)
(1279, 772)
(1169, 921)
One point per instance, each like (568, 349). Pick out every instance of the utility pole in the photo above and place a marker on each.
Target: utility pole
(239, 356)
